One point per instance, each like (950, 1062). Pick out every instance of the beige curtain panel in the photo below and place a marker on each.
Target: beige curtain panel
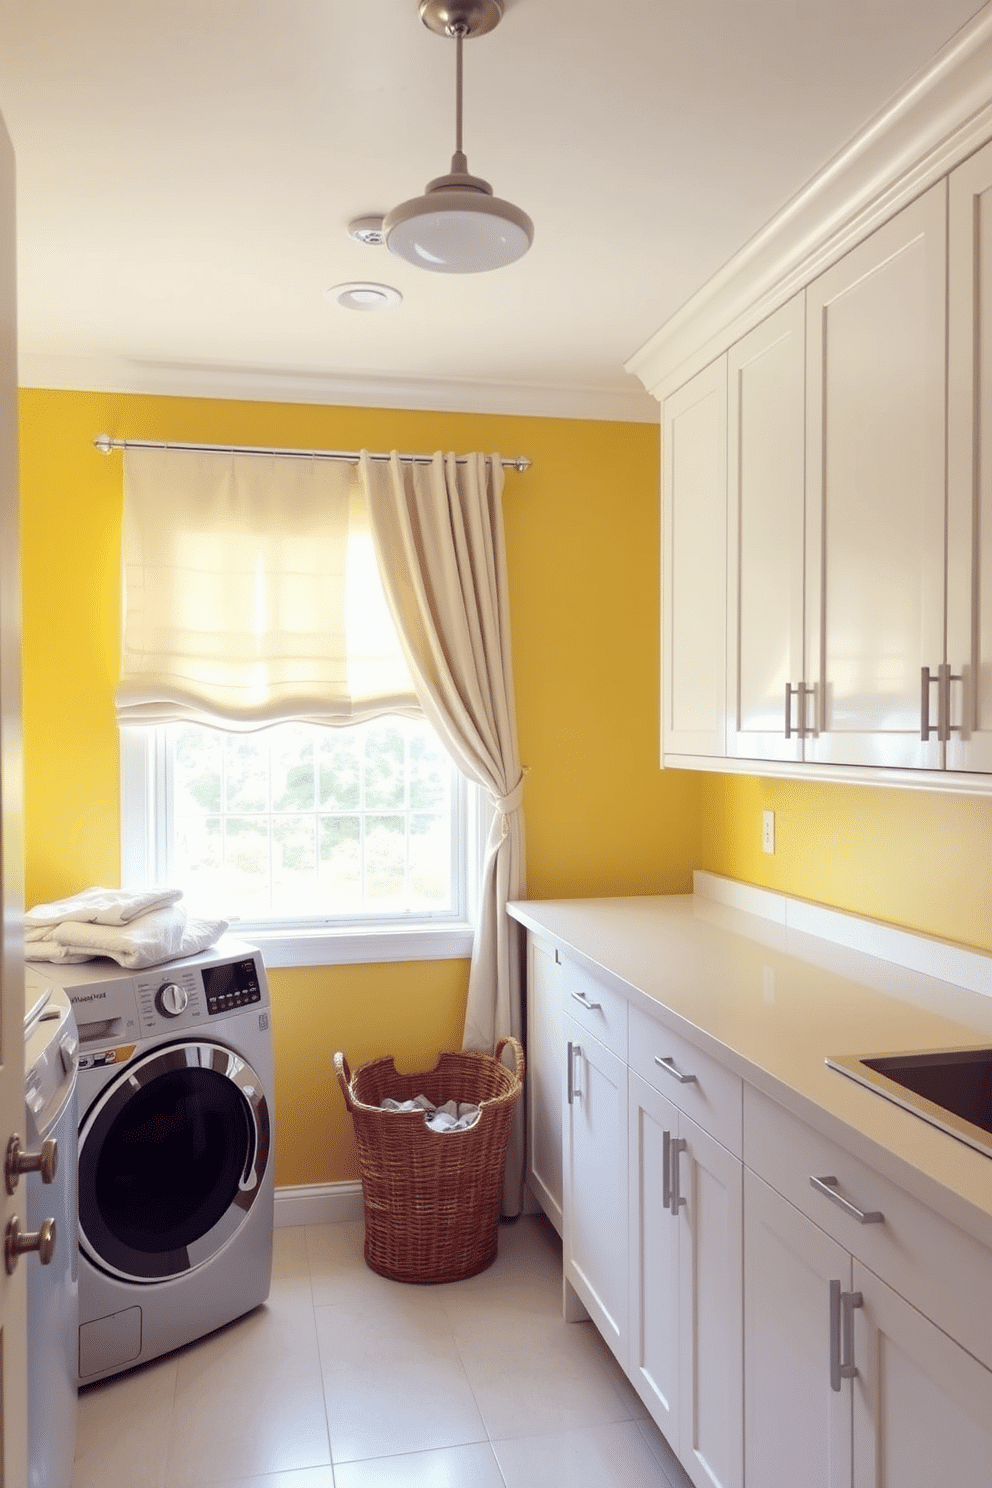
(252, 595)
(438, 532)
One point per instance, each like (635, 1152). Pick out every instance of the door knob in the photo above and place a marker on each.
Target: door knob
(18, 1242)
(45, 1162)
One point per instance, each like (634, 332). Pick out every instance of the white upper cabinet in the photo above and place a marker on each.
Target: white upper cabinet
(875, 488)
(694, 547)
(848, 348)
(766, 375)
(967, 690)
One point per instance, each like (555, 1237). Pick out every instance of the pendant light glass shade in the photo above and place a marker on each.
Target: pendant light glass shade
(458, 226)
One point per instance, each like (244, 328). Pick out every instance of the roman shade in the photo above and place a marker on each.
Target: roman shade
(252, 594)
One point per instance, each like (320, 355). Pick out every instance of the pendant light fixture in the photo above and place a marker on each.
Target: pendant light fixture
(458, 226)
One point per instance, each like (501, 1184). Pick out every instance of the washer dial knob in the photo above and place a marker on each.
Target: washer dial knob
(171, 999)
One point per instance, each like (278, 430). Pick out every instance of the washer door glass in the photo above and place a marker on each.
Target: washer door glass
(171, 1158)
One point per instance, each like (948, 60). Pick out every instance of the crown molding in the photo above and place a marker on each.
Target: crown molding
(630, 404)
(939, 118)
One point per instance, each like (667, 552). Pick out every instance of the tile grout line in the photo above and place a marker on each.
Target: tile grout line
(320, 1362)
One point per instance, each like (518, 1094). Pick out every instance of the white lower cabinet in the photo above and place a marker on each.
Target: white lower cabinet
(846, 1383)
(797, 1429)
(545, 1074)
(595, 1184)
(922, 1406)
(686, 1294)
(791, 1317)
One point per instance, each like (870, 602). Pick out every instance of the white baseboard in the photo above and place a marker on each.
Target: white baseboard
(318, 1203)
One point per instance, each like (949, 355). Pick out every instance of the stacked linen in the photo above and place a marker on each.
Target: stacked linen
(135, 928)
(452, 1116)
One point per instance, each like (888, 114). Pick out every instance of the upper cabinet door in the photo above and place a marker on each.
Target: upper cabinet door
(694, 546)
(969, 467)
(875, 483)
(766, 376)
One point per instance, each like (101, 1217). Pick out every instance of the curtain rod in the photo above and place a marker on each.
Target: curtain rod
(104, 443)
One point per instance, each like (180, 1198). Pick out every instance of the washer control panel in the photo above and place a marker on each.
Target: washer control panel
(115, 1007)
(232, 985)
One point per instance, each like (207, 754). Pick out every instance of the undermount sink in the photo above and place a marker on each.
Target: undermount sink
(951, 1088)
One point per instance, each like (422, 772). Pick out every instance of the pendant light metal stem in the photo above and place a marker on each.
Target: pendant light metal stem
(459, 38)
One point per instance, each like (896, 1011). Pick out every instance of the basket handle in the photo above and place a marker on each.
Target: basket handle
(344, 1079)
(518, 1055)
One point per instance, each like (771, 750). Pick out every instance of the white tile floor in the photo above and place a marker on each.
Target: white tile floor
(344, 1380)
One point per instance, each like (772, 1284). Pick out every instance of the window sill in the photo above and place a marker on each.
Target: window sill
(352, 946)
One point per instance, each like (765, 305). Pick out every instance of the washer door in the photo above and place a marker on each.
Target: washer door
(171, 1160)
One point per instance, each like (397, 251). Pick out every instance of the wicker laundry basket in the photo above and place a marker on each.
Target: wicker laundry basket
(432, 1199)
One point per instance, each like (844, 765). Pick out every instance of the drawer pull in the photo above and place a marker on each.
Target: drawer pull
(671, 1068)
(829, 1188)
(842, 1305)
(591, 1007)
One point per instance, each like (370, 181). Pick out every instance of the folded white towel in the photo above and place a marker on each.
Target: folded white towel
(452, 1116)
(101, 906)
(162, 935)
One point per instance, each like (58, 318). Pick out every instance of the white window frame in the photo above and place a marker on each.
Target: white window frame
(146, 815)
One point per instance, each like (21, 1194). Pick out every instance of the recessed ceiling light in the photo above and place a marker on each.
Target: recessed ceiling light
(365, 296)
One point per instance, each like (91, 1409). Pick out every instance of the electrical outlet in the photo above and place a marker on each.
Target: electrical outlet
(768, 831)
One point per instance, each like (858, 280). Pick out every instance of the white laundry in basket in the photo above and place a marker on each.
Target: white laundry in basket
(452, 1116)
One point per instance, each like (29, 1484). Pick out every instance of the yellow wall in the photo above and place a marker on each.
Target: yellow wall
(582, 545)
(920, 859)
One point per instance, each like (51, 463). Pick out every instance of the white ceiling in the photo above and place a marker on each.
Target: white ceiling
(187, 171)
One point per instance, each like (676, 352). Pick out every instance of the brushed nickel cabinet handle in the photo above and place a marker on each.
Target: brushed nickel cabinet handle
(587, 1003)
(944, 679)
(677, 1146)
(671, 1068)
(573, 1049)
(829, 1187)
(835, 1336)
(926, 682)
(666, 1169)
(801, 691)
(842, 1305)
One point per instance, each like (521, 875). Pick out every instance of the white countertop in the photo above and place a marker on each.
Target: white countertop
(772, 1001)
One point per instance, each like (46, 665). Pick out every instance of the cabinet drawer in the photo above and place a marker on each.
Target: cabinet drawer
(940, 1270)
(596, 1008)
(692, 1080)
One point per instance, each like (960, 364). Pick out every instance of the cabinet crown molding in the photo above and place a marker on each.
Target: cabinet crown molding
(940, 117)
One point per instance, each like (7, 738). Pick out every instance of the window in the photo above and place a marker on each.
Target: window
(274, 763)
(321, 844)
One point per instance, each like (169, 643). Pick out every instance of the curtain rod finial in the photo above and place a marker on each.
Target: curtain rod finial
(104, 443)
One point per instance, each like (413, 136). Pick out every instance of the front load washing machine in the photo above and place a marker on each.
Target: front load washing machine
(176, 1150)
